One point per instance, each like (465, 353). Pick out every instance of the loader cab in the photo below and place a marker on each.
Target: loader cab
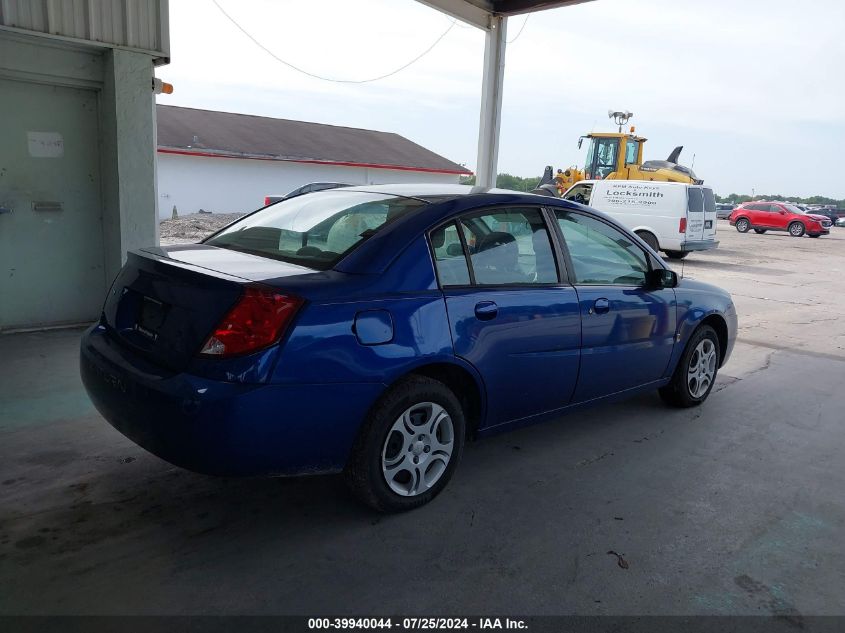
(611, 154)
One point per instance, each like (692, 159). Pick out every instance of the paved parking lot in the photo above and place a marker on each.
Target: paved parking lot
(735, 507)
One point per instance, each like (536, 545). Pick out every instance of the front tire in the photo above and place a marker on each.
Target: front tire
(695, 374)
(409, 446)
(742, 225)
(796, 229)
(676, 254)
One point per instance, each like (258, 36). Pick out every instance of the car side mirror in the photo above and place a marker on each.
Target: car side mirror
(662, 278)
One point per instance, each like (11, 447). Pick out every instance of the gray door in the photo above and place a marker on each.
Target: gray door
(51, 235)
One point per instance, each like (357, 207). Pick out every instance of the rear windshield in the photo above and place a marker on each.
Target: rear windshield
(696, 201)
(709, 200)
(315, 230)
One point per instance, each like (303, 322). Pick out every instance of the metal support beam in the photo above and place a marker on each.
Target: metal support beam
(492, 85)
(474, 12)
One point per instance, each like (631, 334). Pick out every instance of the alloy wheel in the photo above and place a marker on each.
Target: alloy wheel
(418, 449)
(702, 368)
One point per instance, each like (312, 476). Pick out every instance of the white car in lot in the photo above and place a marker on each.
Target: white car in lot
(675, 218)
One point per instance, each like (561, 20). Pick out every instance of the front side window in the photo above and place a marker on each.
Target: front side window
(510, 246)
(601, 158)
(600, 254)
(580, 194)
(316, 230)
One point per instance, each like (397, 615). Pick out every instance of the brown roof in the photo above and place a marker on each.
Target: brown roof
(207, 132)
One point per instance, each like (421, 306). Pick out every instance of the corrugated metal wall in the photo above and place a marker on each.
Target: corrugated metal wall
(140, 24)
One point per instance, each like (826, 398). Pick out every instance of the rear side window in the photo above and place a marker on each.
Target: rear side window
(510, 246)
(632, 150)
(449, 257)
(316, 230)
(696, 200)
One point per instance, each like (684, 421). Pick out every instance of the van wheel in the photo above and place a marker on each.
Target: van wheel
(742, 225)
(796, 229)
(409, 446)
(649, 239)
(676, 254)
(759, 231)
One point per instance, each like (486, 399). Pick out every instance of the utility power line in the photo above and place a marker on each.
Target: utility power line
(331, 79)
(520, 30)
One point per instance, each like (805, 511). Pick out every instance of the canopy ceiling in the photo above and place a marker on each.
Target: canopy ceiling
(479, 12)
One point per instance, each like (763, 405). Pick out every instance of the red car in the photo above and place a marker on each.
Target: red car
(778, 216)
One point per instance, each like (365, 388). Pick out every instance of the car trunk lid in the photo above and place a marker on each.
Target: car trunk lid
(166, 302)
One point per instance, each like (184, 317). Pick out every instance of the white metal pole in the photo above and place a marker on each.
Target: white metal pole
(491, 102)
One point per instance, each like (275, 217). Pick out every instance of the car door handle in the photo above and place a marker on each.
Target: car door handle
(486, 310)
(600, 306)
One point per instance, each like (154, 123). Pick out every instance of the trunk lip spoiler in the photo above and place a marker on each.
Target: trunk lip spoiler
(160, 254)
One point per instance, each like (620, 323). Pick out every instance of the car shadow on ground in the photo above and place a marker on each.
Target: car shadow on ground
(130, 495)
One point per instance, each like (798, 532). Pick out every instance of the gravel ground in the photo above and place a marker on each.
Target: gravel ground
(192, 228)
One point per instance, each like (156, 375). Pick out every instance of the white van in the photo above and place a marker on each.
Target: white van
(672, 217)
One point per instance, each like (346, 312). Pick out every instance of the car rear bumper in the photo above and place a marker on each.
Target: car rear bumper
(699, 245)
(223, 428)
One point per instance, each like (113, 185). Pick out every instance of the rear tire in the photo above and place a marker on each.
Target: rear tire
(742, 225)
(815, 236)
(796, 229)
(649, 239)
(759, 231)
(695, 374)
(409, 446)
(676, 254)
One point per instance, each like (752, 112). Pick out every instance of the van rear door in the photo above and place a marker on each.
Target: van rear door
(709, 214)
(695, 215)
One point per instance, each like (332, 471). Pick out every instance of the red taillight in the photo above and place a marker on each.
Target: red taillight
(267, 200)
(682, 226)
(256, 321)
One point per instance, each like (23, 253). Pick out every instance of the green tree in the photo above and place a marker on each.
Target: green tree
(737, 198)
(508, 181)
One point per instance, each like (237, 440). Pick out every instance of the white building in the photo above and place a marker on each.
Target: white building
(224, 162)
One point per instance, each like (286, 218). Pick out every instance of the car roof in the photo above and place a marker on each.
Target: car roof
(440, 191)
(446, 203)
(650, 182)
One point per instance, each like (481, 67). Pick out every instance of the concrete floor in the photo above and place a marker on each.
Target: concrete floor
(737, 507)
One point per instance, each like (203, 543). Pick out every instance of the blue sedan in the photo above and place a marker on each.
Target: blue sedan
(372, 330)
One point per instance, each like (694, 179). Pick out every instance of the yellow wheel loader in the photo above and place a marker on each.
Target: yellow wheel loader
(618, 156)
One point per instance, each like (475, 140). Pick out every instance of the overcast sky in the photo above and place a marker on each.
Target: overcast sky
(753, 90)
